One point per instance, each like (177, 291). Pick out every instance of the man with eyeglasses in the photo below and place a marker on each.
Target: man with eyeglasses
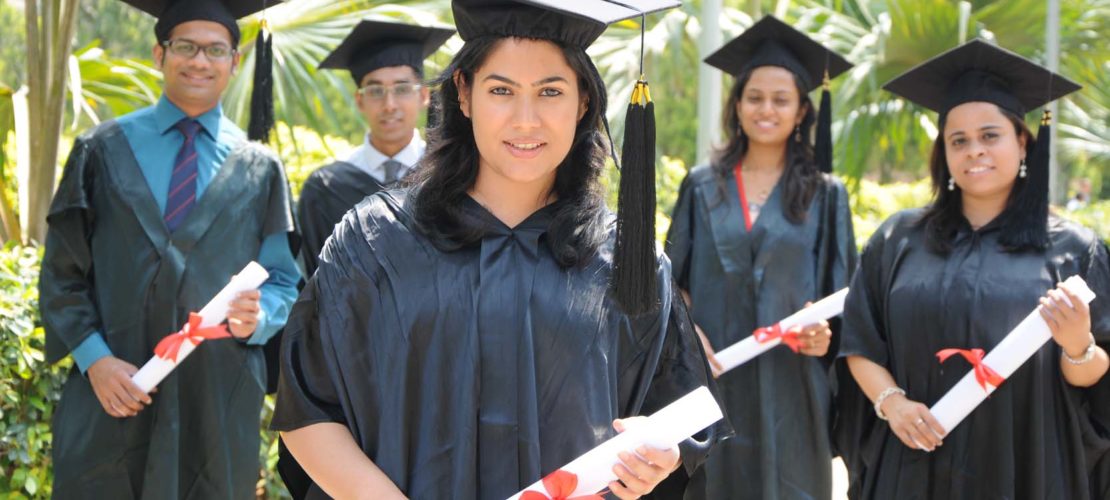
(155, 212)
(386, 61)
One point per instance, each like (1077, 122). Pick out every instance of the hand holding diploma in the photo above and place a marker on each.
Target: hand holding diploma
(640, 472)
(625, 456)
(203, 325)
(990, 370)
(803, 331)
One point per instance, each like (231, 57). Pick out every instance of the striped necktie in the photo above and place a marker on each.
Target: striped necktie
(183, 182)
(392, 168)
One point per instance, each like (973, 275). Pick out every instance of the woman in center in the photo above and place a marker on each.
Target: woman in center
(756, 234)
(460, 339)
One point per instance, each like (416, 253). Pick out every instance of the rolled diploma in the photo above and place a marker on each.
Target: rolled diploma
(250, 278)
(663, 430)
(743, 351)
(1018, 346)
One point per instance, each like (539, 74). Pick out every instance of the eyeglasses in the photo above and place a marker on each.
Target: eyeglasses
(378, 92)
(188, 50)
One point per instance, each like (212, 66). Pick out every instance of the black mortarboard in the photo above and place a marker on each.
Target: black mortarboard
(771, 42)
(379, 44)
(577, 23)
(171, 13)
(980, 72)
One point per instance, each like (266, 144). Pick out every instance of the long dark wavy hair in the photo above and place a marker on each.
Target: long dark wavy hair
(450, 166)
(800, 177)
(943, 217)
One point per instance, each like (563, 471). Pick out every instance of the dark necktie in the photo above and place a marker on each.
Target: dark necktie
(392, 168)
(183, 182)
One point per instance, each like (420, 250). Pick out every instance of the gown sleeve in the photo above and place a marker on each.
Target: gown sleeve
(837, 256)
(680, 236)
(68, 305)
(863, 331)
(332, 310)
(682, 368)
(1097, 276)
(1096, 430)
(312, 233)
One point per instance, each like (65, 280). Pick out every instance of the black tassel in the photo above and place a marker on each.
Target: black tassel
(262, 95)
(1026, 225)
(823, 144)
(634, 279)
(1036, 169)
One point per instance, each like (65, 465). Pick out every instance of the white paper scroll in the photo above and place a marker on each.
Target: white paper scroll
(1018, 346)
(663, 430)
(250, 278)
(743, 351)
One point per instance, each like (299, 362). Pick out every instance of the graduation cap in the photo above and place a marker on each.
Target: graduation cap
(379, 44)
(980, 72)
(577, 23)
(171, 13)
(771, 42)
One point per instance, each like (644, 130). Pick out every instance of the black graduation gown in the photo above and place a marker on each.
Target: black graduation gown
(779, 403)
(1026, 440)
(327, 194)
(112, 266)
(471, 373)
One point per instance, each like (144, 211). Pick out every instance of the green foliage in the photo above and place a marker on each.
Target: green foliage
(122, 30)
(303, 150)
(104, 86)
(13, 43)
(270, 485)
(872, 203)
(1095, 216)
(29, 389)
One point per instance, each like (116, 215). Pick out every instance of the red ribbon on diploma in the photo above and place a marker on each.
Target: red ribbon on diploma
(191, 332)
(559, 485)
(770, 333)
(983, 373)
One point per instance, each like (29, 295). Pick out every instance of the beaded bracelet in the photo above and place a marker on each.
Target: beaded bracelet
(888, 392)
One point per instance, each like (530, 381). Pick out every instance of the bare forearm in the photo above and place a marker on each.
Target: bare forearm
(331, 457)
(872, 377)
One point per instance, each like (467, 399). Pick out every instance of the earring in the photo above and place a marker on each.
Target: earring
(1022, 169)
(797, 133)
(951, 183)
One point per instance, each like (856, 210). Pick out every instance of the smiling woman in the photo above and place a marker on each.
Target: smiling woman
(460, 338)
(962, 273)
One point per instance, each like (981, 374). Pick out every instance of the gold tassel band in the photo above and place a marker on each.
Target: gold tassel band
(641, 93)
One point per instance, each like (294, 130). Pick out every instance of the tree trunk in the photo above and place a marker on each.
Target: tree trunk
(50, 28)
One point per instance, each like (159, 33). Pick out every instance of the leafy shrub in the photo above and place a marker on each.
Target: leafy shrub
(29, 389)
(1095, 216)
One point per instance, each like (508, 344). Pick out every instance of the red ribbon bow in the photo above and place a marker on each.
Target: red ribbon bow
(191, 332)
(769, 333)
(983, 373)
(559, 485)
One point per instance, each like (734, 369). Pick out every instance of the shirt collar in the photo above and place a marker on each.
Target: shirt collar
(167, 114)
(368, 159)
